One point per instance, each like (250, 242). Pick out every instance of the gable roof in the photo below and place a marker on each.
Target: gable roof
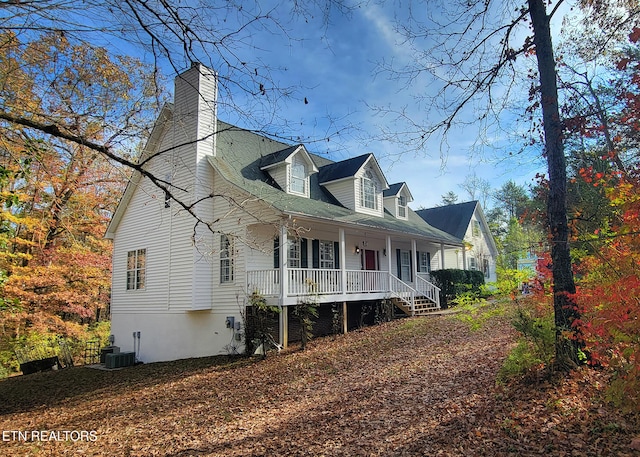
(348, 168)
(394, 190)
(240, 156)
(281, 156)
(277, 157)
(343, 169)
(452, 219)
(238, 159)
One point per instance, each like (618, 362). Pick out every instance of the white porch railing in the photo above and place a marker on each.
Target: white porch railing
(306, 281)
(427, 289)
(367, 281)
(266, 282)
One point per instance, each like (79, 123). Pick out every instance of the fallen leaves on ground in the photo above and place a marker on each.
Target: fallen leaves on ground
(412, 387)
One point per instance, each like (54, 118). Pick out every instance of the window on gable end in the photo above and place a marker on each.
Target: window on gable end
(298, 176)
(136, 269)
(475, 228)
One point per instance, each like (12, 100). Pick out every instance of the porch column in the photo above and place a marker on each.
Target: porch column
(284, 286)
(343, 261)
(414, 258)
(389, 254)
(464, 257)
(442, 256)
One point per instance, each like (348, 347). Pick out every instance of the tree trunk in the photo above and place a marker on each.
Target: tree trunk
(563, 285)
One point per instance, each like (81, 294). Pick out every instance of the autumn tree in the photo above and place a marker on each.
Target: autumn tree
(58, 194)
(473, 52)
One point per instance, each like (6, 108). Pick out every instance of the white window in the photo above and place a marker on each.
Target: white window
(136, 269)
(423, 262)
(402, 206)
(369, 191)
(294, 253)
(472, 263)
(475, 228)
(485, 268)
(327, 260)
(405, 265)
(226, 259)
(298, 176)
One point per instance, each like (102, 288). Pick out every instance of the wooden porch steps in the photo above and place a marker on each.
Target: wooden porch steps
(423, 306)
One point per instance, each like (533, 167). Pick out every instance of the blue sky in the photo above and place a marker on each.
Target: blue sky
(335, 69)
(338, 68)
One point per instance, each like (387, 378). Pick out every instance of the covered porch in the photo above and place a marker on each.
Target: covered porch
(329, 264)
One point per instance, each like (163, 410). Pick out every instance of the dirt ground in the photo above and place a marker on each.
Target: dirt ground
(411, 387)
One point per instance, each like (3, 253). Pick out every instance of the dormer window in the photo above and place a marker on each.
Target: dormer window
(402, 206)
(290, 169)
(369, 189)
(298, 179)
(396, 199)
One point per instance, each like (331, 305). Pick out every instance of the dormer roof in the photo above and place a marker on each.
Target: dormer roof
(285, 156)
(349, 168)
(394, 190)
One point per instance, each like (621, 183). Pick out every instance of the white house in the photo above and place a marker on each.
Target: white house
(243, 214)
(465, 221)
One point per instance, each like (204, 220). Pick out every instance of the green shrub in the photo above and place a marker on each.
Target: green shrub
(521, 360)
(510, 280)
(536, 345)
(454, 282)
(475, 311)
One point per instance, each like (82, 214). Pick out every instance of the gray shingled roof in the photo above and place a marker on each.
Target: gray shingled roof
(343, 169)
(393, 189)
(238, 160)
(453, 219)
(278, 156)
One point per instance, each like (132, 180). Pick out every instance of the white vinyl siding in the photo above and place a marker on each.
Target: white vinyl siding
(345, 192)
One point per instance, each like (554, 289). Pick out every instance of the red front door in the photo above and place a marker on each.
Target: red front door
(369, 260)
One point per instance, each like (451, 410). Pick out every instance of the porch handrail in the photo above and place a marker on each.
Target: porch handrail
(429, 290)
(403, 291)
